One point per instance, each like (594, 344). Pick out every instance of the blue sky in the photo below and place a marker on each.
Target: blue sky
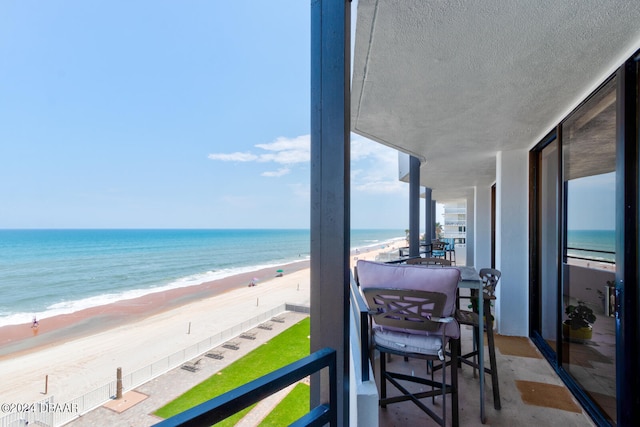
(591, 202)
(167, 114)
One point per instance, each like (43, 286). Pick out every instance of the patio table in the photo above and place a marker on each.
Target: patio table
(470, 279)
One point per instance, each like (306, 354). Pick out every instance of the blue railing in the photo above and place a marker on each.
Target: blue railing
(221, 407)
(361, 314)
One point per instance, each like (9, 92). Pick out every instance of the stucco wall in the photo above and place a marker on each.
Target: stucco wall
(482, 227)
(512, 242)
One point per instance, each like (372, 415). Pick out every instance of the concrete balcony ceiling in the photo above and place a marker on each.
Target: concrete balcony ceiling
(453, 83)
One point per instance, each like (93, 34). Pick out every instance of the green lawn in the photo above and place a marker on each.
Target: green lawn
(287, 347)
(292, 407)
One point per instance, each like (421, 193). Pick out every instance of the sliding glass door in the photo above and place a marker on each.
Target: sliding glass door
(588, 268)
(584, 249)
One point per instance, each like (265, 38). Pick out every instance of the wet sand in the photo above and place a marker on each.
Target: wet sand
(20, 338)
(80, 352)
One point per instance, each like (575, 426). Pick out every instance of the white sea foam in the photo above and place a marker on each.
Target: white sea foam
(67, 307)
(371, 244)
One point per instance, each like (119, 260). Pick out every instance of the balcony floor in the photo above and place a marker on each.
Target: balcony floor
(531, 392)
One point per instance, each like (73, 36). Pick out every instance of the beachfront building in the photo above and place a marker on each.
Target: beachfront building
(455, 220)
(528, 111)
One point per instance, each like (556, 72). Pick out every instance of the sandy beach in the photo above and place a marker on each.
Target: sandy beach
(81, 351)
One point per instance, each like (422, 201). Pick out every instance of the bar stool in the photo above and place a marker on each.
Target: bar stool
(438, 249)
(411, 309)
(451, 249)
(490, 279)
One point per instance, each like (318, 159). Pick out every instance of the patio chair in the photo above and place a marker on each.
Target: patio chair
(218, 355)
(430, 261)
(412, 310)
(450, 249)
(438, 249)
(490, 279)
(191, 366)
(248, 335)
(232, 345)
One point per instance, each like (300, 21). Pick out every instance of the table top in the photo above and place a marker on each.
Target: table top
(469, 276)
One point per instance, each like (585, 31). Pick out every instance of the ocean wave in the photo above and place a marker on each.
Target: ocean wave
(72, 306)
(376, 243)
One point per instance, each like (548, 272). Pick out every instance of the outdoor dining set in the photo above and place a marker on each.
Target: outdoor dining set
(416, 308)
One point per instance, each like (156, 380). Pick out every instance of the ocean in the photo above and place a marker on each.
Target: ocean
(50, 272)
(597, 245)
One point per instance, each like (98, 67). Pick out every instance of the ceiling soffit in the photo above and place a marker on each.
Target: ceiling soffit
(454, 83)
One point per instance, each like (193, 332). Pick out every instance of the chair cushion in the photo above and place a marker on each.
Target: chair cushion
(441, 279)
(410, 343)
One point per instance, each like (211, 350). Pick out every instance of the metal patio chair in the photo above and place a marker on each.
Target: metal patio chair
(438, 249)
(413, 316)
(490, 278)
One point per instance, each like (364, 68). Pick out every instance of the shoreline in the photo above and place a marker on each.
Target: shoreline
(17, 339)
(80, 352)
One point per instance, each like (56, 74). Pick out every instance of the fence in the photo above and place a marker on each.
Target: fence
(297, 308)
(49, 413)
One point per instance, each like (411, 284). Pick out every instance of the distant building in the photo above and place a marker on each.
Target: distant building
(455, 220)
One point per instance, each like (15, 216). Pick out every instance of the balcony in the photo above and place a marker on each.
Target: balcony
(452, 210)
(531, 392)
(526, 383)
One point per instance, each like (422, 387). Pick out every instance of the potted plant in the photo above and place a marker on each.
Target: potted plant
(578, 325)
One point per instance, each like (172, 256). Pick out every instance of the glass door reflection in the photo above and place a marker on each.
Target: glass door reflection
(588, 268)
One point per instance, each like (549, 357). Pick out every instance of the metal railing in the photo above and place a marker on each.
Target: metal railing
(149, 372)
(297, 308)
(454, 210)
(28, 413)
(586, 258)
(233, 401)
(361, 314)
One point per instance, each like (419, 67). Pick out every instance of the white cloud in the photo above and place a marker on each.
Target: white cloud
(234, 157)
(380, 187)
(282, 144)
(279, 172)
(362, 148)
(374, 167)
(285, 151)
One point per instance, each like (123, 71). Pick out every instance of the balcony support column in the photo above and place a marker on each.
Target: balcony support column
(434, 235)
(330, 175)
(470, 236)
(414, 206)
(429, 220)
(482, 226)
(512, 237)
